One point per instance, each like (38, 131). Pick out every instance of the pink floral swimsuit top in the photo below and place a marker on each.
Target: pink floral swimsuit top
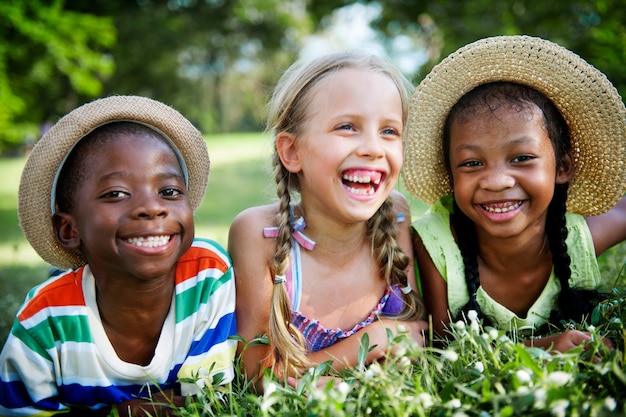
(317, 336)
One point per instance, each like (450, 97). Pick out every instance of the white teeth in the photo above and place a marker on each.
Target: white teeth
(150, 241)
(361, 191)
(502, 209)
(363, 180)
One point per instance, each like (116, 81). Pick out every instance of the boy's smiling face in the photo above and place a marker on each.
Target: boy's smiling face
(131, 216)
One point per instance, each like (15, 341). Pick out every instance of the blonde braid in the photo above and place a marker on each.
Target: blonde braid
(391, 259)
(286, 342)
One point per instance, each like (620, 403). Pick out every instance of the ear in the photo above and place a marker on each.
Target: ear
(287, 148)
(65, 231)
(566, 169)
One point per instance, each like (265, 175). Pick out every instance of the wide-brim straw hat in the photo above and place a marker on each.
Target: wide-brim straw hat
(590, 104)
(36, 198)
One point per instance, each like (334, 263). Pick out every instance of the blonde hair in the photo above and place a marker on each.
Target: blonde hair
(287, 112)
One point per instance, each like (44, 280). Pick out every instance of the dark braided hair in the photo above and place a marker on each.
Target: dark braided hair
(572, 303)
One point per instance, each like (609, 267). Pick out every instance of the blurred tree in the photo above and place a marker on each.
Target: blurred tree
(211, 59)
(48, 58)
(594, 29)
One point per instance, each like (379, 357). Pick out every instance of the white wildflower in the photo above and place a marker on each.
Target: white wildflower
(559, 407)
(459, 414)
(399, 350)
(540, 398)
(450, 355)
(369, 374)
(523, 376)
(453, 403)
(472, 315)
(343, 387)
(493, 334)
(269, 388)
(559, 378)
(523, 390)
(591, 328)
(475, 326)
(479, 366)
(610, 403)
(425, 399)
(404, 363)
(375, 368)
(400, 328)
(460, 325)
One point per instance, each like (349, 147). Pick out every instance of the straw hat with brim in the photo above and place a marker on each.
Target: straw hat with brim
(36, 199)
(591, 106)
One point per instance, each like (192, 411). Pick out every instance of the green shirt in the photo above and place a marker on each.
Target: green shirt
(434, 229)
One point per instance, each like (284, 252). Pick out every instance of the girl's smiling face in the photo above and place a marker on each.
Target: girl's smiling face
(131, 215)
(503, 169)
(350, 147)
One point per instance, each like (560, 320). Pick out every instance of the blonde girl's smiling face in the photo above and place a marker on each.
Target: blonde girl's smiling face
(348, 153)
(503, 170)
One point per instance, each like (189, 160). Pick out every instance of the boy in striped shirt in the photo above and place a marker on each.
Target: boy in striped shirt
(143, 315)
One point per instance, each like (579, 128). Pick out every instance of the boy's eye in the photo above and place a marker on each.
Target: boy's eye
(171, 192)
(114, 194)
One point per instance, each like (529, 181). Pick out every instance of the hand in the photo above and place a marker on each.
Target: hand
(163, 403)
(567, 340)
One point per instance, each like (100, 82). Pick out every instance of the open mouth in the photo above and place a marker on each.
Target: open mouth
(502, 208)
(362, 182)
(149, 241)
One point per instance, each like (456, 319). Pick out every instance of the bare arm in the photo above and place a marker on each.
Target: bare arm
(344, 354)
(434, 287)
(608, 229)
(251, 254)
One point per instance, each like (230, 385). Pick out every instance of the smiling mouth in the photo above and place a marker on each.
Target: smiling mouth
(149, 241)
(502, 208)
(362, 182)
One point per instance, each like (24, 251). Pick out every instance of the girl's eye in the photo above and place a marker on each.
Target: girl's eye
(522, 158)
(470, 164)
(390, 132)
(345, 127)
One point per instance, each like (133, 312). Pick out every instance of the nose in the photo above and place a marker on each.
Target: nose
(371, 145)
(149, 206)
(497, 179)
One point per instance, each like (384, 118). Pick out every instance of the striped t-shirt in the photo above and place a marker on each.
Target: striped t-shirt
(58, 354)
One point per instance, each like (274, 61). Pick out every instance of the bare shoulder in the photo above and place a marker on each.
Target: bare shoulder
(254, 218)
(249, 249)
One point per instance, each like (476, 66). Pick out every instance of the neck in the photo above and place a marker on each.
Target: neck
(508, 254)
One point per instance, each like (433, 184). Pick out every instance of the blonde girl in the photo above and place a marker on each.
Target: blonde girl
(332, 259)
